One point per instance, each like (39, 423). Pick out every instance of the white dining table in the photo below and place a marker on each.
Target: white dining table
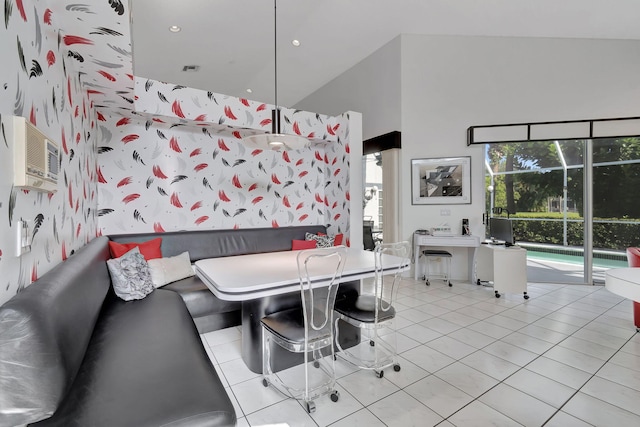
(268, 282)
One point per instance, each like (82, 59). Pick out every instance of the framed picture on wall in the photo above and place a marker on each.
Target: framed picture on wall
(441, 181)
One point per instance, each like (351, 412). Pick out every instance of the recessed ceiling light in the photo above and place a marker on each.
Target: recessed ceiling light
(295, 42)
(174, 29)
(249, 90)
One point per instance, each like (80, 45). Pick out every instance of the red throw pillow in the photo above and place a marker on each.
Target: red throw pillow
(297, 245)
(149, 249)
(337, 239)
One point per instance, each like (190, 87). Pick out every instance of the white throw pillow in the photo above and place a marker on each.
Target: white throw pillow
(167, 270)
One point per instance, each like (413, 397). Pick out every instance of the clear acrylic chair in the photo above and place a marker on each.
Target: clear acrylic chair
(307, 329)
(372, 311)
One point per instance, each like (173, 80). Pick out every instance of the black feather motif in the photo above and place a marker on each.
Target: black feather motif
(162, 97)
(286, 119)
(328, 183)
(149, 182)
(23, 63)
(176, 125)
(37, 223)
(138, 217)
(12, 204)
(129, 100)
(117, 6)
(211, 97)
(104, 149)
(224, 162)
(148, 85)
(215, 205)
(162, 192)
(239, 211)
(148, 124)
(269, 185)
(261, 167)
(206, 132)
(306, 187)
(261, 215)
(71, 154)
(160, 134)
(178, 87)
(205, 182)
(106, 32)
(36, 69)
(275, 193)
(75, 55)
(55, 230)
(225, 213)
(221, 120)
(53, 100)
(288, 183)
(137, 158)
(178, 178)
(238, 162)
(215, 153)
(318, 118)
(103, 212)
(8, 9)
(4, 136)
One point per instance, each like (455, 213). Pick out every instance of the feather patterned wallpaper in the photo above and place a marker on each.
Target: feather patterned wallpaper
(139, 155)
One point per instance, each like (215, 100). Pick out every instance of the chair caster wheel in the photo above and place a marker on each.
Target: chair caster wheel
(450, 284)
(526, 296)
(335, 396)
(379, 374)
(478, 282)
(311, 407)
(265, 382)
(372, 343)
(424, 277)
(427, 283)
(316, 364)
(396, 367)
(497, 294)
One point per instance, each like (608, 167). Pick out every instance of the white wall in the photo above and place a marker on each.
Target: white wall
(449, 83)
(371, 87)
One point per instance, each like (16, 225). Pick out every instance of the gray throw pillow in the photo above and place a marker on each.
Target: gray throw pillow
(321, 241)
(130, 275)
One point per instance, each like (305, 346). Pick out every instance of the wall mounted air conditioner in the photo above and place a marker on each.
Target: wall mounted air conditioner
(36, 158)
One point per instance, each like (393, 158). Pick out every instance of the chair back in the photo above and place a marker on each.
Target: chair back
(367, 237)
(386, 282)
(633, 257)
(324, 264)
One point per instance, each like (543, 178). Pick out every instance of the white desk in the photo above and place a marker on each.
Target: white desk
(505, 266)
(469, 242)
(269, 282)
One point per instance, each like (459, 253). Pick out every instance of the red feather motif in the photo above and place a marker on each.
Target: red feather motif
(311, 135)
(274, 224)
(326, 159)
(77, 138)
(77, 111)
(130, 138)
(157, 120)
(336, 172)
(158, 172)
(177, 109)
(334, 205)
(237, 134)
(303, 173)
(78, 229)
(100, 116)
(257, 200)
(157, 227)
(21, 10)
(256, 152)
(229, 113)
(326, 201)
(34, 271)
(175, 201)
(261, 107)
(222, 196)
(265, 122)
(64, 250)
(201, 118)
(299, 162)
(69, 40)
(32, 116)
(236, 181)
(196, 205)
(101, 177)
(70, 195)
(69, 90)
(285, 157)
(275, 179)
(335, 159)
(253, 187)
(107, 75)
(285, 201)
(335, 218)
(336, 127)
(173, 143)
(347, 196)
(300, 206)
(123, 182)
(47, 16)
(222, 145)
(318, 198)
(318, 156)
(244, 102)
(330, 130)
(51, 58)
(347, 149)
(130, 198)
(296, 128)
(195, 152)
(201, 166)
(201, 219)
(303, 217)
(123, 121)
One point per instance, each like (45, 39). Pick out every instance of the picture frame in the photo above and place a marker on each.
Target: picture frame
(441, 181)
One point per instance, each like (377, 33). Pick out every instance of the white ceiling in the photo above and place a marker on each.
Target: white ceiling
(233, 40)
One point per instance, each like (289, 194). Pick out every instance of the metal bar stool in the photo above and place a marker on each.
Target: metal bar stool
(434, 254)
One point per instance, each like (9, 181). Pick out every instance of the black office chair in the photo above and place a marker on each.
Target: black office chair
(307, 329)
(367, 237)
(373, 312)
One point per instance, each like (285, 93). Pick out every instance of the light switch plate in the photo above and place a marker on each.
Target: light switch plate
(445, 212)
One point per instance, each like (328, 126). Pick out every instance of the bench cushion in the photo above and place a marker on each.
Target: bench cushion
(145, 366)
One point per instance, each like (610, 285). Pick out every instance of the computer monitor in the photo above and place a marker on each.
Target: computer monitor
(501, 229)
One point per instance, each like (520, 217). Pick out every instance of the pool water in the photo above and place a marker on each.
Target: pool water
(573, 259)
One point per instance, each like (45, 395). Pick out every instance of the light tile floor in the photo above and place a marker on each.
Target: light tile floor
(568, 356)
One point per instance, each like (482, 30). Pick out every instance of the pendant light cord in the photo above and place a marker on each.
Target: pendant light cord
(276, 120)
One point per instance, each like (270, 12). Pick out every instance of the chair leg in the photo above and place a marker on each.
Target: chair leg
(636, 315)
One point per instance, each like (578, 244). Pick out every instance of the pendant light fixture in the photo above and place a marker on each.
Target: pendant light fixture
(276, 140)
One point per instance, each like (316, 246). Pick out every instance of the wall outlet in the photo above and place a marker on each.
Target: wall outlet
(23, 238)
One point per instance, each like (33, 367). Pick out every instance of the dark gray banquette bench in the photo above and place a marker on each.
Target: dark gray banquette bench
(74, 354)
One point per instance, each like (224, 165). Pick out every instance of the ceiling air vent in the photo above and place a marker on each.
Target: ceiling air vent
(191, 68)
